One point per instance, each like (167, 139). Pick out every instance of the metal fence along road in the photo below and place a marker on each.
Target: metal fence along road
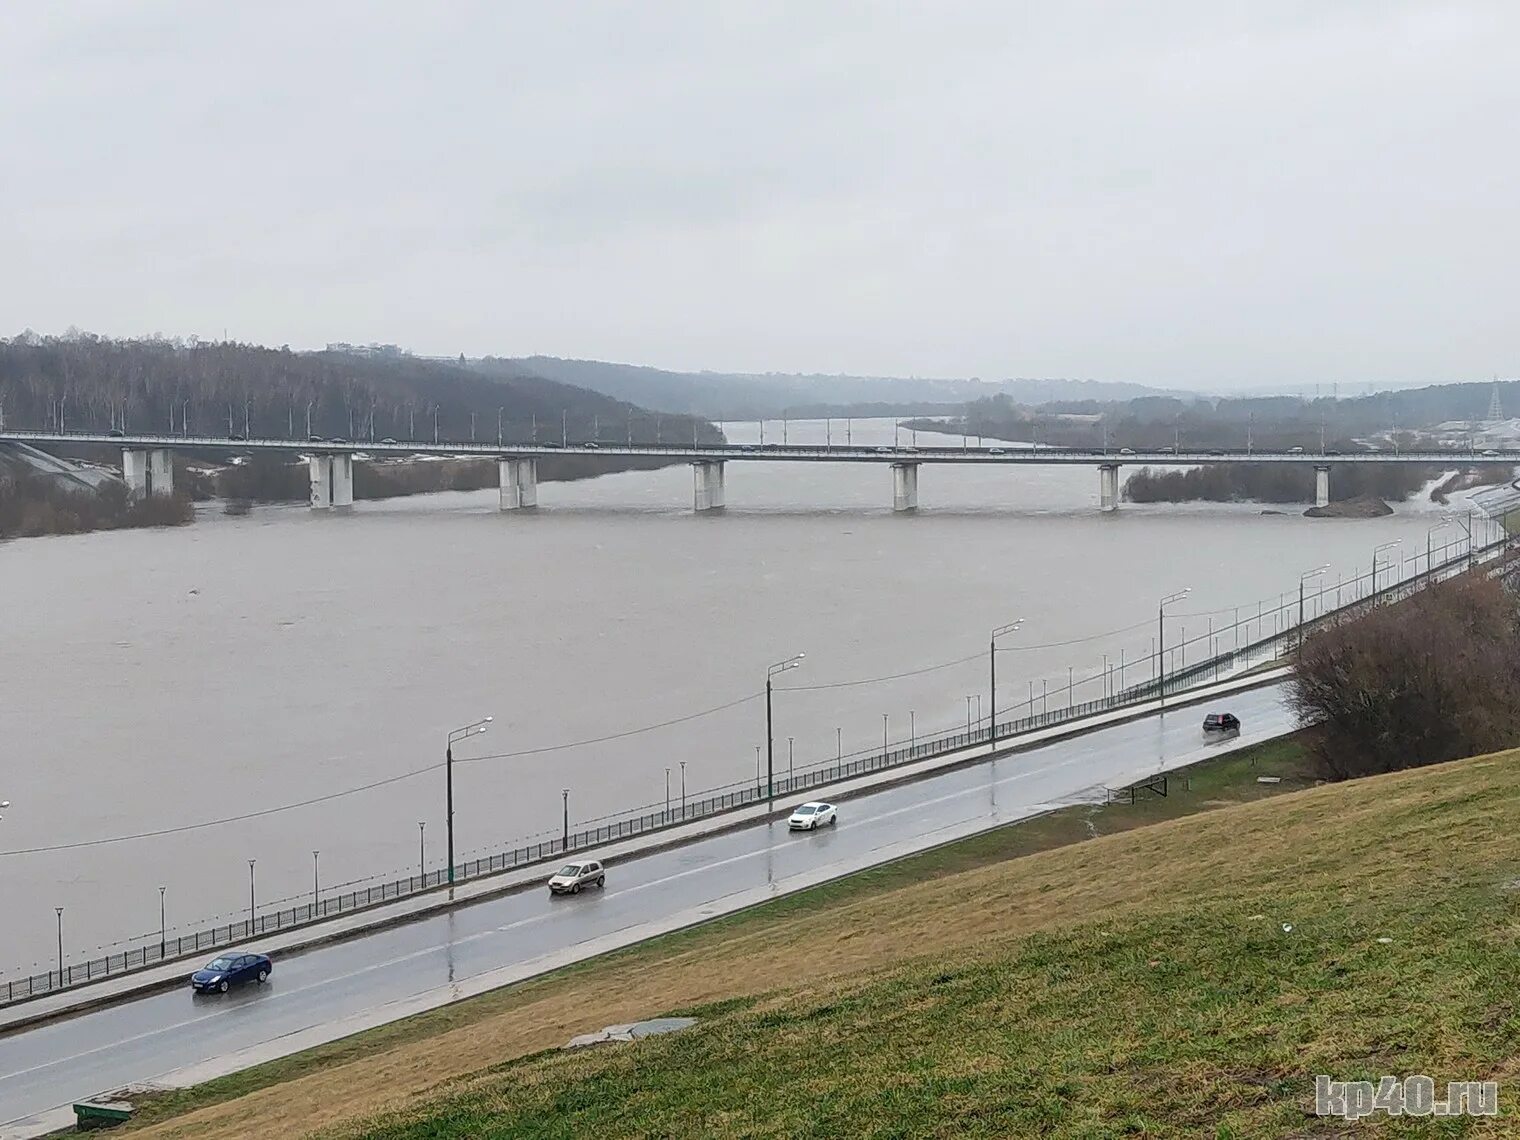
(1264, 649)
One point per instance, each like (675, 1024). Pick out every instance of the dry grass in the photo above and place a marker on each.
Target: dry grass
(1352, 859)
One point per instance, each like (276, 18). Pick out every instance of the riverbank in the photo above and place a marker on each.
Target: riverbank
(31, 507)
(1469, 480)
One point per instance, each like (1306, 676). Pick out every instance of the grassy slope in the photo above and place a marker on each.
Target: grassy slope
(1137, 982)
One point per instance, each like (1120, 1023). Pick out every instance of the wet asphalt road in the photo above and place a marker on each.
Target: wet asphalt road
(57, 1063)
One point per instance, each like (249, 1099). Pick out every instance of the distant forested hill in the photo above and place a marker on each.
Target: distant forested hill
(81, 381)
(734, 396)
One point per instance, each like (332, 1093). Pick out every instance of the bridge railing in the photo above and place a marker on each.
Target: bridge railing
(648, 819)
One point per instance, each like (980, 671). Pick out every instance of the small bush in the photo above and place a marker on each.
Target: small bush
(1427, 680)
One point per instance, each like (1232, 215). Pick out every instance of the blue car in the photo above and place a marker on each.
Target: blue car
(228, 970)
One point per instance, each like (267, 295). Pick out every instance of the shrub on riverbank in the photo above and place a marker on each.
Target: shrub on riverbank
(32, 506)
(1272, 483)
(273, 479)
(1421, 682)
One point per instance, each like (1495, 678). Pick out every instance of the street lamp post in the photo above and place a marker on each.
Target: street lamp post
(316, 882)
(422, 850)
(252, 903)
(163, 925)
(1376, 551)
(58, 910)
(667, 793)
(564, 795)
(912, 731)
(683, 789)
(1161, 640)
(1000, 631)
(789, 766)
(1429, 560)
(448, 766)
(885, 718)
(770, 770)
(1302, 578)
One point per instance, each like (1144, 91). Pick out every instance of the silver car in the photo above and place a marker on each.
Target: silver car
(570, 878)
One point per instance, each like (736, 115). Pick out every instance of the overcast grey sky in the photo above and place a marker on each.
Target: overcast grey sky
(1205, 194)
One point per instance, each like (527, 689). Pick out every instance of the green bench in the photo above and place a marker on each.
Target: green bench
(92, 1114)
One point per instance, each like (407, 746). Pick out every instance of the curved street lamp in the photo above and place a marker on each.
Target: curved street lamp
(456, 735)
(1000, 631)
(1161, 640)
(778, 667)
(1375, 552)
(1442, 525)
(1302, 578)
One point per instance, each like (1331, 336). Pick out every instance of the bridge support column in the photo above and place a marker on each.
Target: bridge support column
(1108, 487)
(1322, 486)
(160, 473)
(332, 482)
(905, 486)
(519, 483)
(707, 485)
(134, 473)
(342, 482)
(320, 467)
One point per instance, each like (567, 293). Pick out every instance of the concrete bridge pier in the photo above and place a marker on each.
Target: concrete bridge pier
(905, 486)
(519, 483)
(1108, 487)
(1321, 486)
(332, 482)
(147, 472)
(707, 485)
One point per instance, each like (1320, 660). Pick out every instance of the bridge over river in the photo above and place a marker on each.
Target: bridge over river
(147, 468)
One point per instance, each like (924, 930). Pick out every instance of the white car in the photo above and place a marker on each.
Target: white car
(570, 878)
(812, 816)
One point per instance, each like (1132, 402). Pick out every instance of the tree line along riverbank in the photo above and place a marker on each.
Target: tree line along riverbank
(31, 506)
(35, 505)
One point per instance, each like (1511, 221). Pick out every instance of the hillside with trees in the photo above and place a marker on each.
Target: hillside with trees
(84, 382)
(771, 395)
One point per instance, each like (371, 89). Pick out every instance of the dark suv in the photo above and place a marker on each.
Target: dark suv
(1221, 722)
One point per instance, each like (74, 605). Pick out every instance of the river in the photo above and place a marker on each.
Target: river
(156, 679)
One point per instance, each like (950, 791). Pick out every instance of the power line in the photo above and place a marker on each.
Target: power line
(363, 787)
(225, 819)
(958, 661)
(614, 736)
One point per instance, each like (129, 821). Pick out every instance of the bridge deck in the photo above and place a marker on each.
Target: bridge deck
(772, 452)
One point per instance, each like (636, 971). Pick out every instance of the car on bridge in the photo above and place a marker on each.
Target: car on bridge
(573, 877)
(813, 815)
(227, 970)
